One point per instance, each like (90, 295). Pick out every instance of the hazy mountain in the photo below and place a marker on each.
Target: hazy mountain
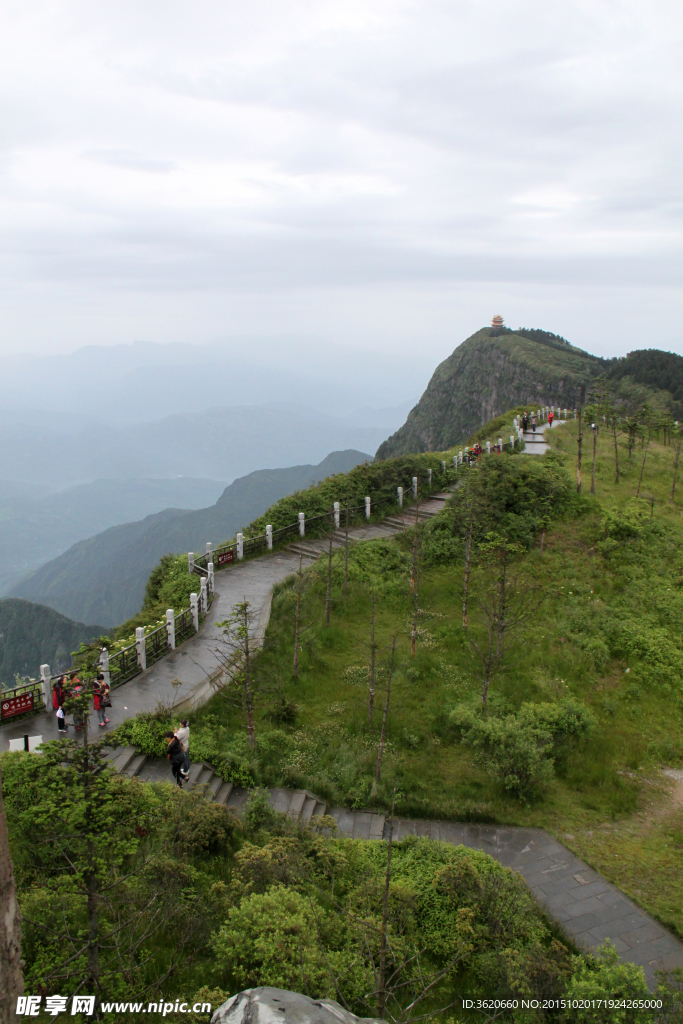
(497, 369)
(221, 443)
(125, 384)
(32, 635)
(103, 579)
(36, 526)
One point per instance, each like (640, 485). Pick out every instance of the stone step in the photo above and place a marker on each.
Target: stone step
(306, 550)
(195, 771)
(135, 766)
(237, 800)
(214, 785)
(204, 777)
(297, 803)
(223, 793)
(123, 758)
(319, 809)
(308, 809)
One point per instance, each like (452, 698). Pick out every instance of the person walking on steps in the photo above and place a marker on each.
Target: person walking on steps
(75, 690)
(100, 694)
(533, 423)
(183, 734)
(525, 421)
(551, 417)
(176, 755)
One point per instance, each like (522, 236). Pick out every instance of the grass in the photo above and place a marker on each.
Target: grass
(609, 801)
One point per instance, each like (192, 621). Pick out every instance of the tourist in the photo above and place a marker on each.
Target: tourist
(525, 421)
(176, 755)
(551, 417)
(183, 734)
(59, 693)
(100, 699)
(533, 423)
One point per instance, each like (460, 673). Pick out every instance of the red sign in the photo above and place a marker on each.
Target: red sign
(226, 556)
(16, 705)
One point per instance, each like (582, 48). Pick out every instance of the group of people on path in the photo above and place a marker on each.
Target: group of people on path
(70, 686)
(529, 420)
(178, 751)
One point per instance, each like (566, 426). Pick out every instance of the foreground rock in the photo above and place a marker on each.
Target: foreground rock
(270, 1005)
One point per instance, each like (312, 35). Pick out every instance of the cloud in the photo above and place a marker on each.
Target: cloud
(250, 149)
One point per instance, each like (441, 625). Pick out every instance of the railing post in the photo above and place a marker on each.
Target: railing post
(210, 578)
(190, 562)
(302, 524)
(336, 515)
(203, 597)
(269, 537)
(429, 479)
(209, 549)
(455, 463)
(500, 444)
(512, 441)
(488, 447)
(194, 611)
(415, 487)
(140, 647)
(459, 456)
(47, 686)
(399, 492)
(367, 506)
(240, 546)
(104, 665)
(443, 467)
(170, 628)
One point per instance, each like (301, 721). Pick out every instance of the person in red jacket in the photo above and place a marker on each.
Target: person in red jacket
(100, 692)
(58, 698)
(551, 417)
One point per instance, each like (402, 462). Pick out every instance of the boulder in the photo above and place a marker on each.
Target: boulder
(278, 1006)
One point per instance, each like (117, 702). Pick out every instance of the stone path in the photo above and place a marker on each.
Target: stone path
(586, 906)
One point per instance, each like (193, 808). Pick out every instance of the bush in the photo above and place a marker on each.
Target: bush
(197, 825)
(604, 977)
(258, 812)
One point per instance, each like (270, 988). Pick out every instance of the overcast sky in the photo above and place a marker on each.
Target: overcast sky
(382, 175)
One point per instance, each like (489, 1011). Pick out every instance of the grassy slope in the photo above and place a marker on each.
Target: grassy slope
(609, 802)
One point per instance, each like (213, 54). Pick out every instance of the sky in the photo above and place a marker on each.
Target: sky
(373, 176)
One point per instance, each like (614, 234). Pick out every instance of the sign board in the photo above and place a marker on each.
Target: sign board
(16, 705)
(226, 556)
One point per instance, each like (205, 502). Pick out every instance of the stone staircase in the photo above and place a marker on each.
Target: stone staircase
(298, 804)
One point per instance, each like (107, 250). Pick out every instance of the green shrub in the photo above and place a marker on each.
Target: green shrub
(604, 977)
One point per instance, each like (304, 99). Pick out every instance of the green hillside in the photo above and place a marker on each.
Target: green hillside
(32, 635)
(497, 369)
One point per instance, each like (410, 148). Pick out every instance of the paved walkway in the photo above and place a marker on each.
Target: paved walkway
(588, 908)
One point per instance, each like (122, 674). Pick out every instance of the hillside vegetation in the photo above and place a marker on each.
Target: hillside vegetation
(32, 635)
(584, 708)
(496, 369)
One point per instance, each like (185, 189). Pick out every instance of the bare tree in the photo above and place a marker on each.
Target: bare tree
(646, 420)
(582, 394)
(346, 549)
(385, 716)
(596, 427)
(382, 973)
(11, 978)
(236, 651)
(415, 581)
(505, 609)
(328, 593)
(678, 455)
(297, 618)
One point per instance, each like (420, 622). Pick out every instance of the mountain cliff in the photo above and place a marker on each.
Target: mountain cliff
(493, 370)
(32, 635)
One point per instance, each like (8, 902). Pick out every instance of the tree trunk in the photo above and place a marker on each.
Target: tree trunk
(382, 973)
(11, 979)
(540, 550)
(248, 693)
(468, 560)
(328, 595)
(371, 701)
(579, 442)
(297, 620)
(616, 450)
(642, 470)
(346, 552)
(595, 441)
(385, 716)
(90, 877)
(673, 485)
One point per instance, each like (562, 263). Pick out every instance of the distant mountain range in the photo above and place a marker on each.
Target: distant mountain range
(221, 443)
(497, 369)
(36, 527)
(32, 635)
(103, 579)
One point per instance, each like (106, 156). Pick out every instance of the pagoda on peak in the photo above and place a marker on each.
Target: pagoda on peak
(497, 321)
